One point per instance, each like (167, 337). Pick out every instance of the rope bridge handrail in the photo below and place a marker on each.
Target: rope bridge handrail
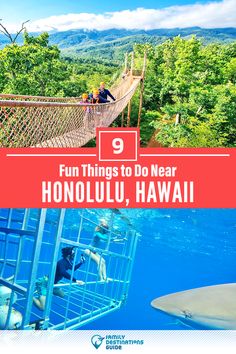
(13, 97)
(6, 96)
(36, 121)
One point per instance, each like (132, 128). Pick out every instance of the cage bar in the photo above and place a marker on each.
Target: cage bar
(31, 241)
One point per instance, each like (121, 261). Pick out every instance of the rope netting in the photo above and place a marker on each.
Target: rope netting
(5, 96)
(36, 121)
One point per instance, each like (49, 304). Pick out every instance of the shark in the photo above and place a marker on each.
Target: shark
(212, 307)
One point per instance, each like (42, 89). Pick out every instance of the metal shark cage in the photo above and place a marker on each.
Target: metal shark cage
(30, 247)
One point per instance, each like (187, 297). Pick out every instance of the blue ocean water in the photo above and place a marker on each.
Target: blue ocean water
(178, 249)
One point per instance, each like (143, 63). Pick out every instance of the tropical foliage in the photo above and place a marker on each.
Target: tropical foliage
(190, 87)
(190, 93)
(36, 68)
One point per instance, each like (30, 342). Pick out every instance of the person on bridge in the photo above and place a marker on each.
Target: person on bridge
(105, 93)
(85, 103)
(97, 98)
(85, 99)
(96, 112)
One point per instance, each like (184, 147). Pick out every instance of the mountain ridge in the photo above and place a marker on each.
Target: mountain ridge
(113, 43)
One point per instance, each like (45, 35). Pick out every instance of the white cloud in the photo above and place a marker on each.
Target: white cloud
(209, 15)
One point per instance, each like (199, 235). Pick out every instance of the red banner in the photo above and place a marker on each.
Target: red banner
(118, 174)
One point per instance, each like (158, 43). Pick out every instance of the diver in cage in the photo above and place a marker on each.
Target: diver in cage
(63, 265)
(101, 237)
(40, 293)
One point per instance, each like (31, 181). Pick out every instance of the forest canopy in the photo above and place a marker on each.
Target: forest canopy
(190, 88)
(190, 93)
(36, 68)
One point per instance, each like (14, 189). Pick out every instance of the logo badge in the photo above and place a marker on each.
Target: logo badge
(97, 340)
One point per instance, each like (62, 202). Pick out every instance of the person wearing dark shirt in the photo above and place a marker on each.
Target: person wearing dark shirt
(105, 93)
(97, 98)
(62, 270)
(63, 265)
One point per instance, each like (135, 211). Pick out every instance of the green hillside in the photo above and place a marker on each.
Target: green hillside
(190, 84)
(113, 43)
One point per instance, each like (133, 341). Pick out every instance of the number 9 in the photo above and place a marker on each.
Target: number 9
(118, 146)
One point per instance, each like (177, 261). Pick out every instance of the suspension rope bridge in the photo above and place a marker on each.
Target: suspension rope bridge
(36, 121)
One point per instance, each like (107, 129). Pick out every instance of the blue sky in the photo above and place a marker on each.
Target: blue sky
(47, 15)
(18, 10)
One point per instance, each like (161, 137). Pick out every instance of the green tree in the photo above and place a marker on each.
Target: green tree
(190, 93)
